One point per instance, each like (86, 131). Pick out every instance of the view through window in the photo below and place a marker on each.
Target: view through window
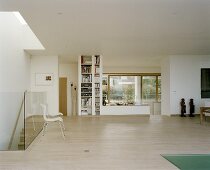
(122, 90)
(148, 89)
(131, 89)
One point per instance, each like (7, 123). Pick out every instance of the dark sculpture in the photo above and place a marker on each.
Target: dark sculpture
(104, 101)
(183, 108)
(192, 108)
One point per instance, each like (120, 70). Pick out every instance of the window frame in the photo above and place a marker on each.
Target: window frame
(132, 74)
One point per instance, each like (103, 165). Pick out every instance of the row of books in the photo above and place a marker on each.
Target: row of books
(86, 90)
(97, 60)
(97, 85)
(86, 59)
(97, 70)
(86, 78)
(86, 69)
(86, 102)
(86, 85)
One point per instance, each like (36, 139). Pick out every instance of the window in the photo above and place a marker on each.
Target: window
(105, 89)
(122, 90)
(148, 89)
(159, 89)
(131, 89)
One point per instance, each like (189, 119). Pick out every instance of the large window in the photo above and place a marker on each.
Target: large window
(131, 89)
(149, 89)
(159, 88)
(122, 89)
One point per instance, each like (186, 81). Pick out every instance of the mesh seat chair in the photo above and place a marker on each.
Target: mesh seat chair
(52, 118)
(207, 111)
(206, 114)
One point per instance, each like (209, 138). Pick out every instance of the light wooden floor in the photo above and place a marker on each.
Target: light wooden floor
(111, 143)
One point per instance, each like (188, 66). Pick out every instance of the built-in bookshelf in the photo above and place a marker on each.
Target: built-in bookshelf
(90, 83)
(86, 85)
(97, 78)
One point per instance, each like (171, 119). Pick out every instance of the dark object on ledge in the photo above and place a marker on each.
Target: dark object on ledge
(104, 101)
(192, 108)
(183, 108)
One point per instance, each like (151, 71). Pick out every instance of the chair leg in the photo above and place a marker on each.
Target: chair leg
(61, 126)
(44, 128)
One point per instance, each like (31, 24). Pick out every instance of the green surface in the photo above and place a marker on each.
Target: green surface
(190, 162)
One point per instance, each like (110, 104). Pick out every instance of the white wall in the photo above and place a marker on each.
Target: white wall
(185, 80)
(181, 79)
(14, 62)
(69, 71)
(14, 73)
(131, 69)
(165, 86)
(46, 64)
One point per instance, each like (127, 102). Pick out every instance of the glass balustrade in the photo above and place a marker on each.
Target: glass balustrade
(33, 115)
(21, 119)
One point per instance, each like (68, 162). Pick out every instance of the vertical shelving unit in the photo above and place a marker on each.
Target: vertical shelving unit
(90, 83)
(97, 78)
(85, 91)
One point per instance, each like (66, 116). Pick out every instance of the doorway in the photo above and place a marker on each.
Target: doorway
(63, 95)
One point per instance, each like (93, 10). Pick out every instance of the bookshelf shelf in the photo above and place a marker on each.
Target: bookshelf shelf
(86, 73)
(86, 64)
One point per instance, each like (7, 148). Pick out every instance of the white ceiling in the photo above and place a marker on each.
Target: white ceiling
(125, 32)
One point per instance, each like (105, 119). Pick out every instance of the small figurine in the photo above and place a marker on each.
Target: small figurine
(183, 108)
(192, 108)
(104, 101)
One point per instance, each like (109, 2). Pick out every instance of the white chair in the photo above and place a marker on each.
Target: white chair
(207, 103)
(207, 111)
(52, 118)
(206, 114)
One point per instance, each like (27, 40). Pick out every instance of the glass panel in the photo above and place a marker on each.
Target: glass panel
(33, 115)
(122, 90)
(159, 89)
(12, 120)
(21, 120)
(148, 89)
